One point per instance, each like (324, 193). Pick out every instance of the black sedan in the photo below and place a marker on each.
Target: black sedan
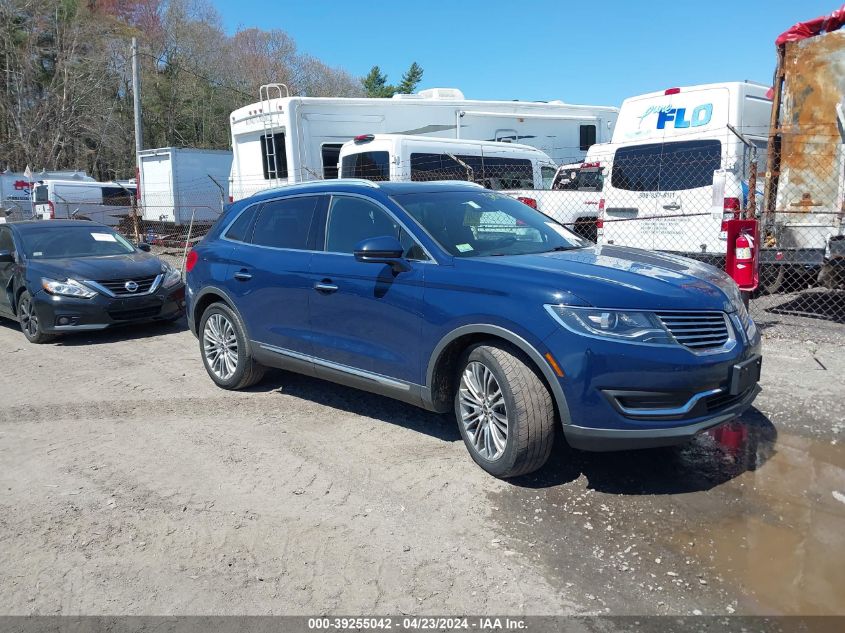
(61, 276)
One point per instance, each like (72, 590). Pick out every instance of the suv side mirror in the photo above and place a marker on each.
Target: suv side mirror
(382, 250)
(7, 257)
(143, 246)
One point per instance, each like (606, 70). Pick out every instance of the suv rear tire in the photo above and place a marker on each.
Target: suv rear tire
(505, 413)
(225, 349)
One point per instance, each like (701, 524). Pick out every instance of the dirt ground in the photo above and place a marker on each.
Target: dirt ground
(131, 485)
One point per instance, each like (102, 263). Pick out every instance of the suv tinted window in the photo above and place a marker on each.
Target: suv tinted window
(239, 231)
(285, 223)
(666, 166)
(368, 165)
(354, 219)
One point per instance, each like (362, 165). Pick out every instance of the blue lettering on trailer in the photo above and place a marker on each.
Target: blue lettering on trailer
(700, 115)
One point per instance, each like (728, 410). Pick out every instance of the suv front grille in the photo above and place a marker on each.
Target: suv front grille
(697, 330)
(118, 286)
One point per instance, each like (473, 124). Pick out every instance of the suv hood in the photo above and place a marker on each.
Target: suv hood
(620, 277)
(129, 266)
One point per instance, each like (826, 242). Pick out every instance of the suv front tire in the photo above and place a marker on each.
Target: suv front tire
(505, 412)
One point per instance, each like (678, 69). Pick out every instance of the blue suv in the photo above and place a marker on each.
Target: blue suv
(449, 296)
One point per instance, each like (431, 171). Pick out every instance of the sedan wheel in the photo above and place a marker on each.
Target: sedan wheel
(483, 411)
(28, 319)
(220, 346)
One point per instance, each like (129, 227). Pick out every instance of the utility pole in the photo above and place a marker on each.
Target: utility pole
(139, 135)
(136, 99)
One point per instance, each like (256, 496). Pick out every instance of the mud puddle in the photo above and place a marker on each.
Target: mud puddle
(741, 520)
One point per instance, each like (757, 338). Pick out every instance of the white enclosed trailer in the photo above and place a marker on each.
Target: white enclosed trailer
(176, 184)
(281, 139)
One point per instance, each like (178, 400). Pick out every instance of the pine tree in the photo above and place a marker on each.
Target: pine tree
(411, 79)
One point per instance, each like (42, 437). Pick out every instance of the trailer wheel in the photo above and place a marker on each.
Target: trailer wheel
(771, 279)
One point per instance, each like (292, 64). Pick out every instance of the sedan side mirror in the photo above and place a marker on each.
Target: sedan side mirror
(7, 257)
(382, 250)
(143, 246)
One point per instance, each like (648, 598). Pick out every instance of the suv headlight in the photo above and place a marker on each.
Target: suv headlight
(67, 288)
(171, 276)
(630, 326)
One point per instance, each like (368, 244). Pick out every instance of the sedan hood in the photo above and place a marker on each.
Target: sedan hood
(620, 277)
(129, 266)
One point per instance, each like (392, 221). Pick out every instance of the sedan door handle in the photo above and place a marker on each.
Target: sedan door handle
(243, 275)
(325, 286)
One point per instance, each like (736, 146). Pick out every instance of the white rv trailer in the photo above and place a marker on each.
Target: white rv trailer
(676, 171)
(282, 139)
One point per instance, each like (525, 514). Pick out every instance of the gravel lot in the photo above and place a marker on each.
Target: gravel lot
(131, 485)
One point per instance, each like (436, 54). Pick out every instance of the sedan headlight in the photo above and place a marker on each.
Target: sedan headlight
(171, 276)
(67, 288)
(630, 326)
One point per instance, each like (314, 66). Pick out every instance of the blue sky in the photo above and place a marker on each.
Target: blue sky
(580, 52)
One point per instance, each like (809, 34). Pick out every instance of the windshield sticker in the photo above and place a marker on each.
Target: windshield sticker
(37, 254)
(103, 237)
(473, 204)
(463, 248)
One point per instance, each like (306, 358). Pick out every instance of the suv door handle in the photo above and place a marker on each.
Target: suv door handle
(243, 275)
(325, 286)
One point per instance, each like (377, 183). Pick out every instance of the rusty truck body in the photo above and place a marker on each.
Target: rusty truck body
(803, 219)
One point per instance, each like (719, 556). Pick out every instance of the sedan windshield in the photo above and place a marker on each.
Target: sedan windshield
(483, 223)
(54, 242)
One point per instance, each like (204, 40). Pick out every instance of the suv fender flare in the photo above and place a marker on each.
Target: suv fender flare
(211, 290)
(518, 342)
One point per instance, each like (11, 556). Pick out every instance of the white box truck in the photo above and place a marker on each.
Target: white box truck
(178, 183)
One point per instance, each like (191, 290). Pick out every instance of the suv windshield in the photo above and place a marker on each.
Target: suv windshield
(54, 242)
(479, 223)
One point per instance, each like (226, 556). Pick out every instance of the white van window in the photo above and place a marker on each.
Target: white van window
(41, 194)
(587, 137)
(273, 156)
(330, 153)
(548, 175)
(367, 165)
(117, 196)
(508, 173)
(426, 167)
(666, 166)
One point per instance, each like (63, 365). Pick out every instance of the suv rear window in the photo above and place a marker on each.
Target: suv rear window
(666, 166)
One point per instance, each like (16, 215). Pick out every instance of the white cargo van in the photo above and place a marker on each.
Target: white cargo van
(676, 171)
(104, 202)
(401, 157)
(16, 190)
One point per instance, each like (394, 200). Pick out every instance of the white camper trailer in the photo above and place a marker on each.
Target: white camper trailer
(281, 139)
(677, 171)
(180, 183)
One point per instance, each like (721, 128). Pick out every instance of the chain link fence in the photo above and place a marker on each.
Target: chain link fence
(673, 197)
